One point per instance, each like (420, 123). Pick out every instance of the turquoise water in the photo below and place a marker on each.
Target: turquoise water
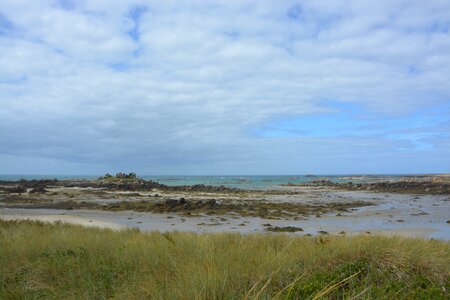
(242, 182)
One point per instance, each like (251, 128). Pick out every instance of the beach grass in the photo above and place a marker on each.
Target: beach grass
(61, 261)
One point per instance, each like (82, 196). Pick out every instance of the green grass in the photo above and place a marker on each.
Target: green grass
(42, 261)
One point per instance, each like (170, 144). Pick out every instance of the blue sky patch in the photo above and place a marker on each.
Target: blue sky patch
(135, 15)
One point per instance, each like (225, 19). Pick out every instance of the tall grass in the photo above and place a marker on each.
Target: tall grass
(58, 261)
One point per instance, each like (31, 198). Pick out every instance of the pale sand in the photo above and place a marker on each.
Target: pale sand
(71, 219)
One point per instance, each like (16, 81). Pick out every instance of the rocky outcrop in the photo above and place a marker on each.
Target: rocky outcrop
(14, 189)
(122, 183)
(183, 204)
(201, 188)
(168, 205)
(401, 186)
(31, 183)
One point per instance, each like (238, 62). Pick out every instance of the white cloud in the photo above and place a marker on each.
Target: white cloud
(76, 87)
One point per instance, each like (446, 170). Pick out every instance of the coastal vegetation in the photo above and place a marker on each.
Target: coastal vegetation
(119, 176)
(44, 261)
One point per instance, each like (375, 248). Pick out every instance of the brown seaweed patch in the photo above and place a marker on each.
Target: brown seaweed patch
(284, 229)
(263, 209)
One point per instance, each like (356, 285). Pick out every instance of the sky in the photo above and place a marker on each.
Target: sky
(224, 87)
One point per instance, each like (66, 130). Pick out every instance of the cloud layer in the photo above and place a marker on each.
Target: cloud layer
(224, 87)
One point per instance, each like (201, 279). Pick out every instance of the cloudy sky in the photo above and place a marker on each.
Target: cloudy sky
(224, 87)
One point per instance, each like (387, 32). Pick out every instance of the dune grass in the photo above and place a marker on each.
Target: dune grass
(63, 261)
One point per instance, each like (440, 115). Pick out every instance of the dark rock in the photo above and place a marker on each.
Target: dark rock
(200, 188)
(284, 229)
(16, 189)
(171, 202)
(401, 186)
(211, 203)
(122, 181)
